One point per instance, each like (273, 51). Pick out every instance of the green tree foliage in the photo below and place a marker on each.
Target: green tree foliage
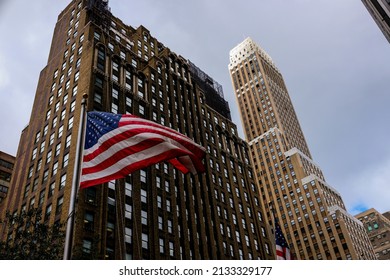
(32, 239)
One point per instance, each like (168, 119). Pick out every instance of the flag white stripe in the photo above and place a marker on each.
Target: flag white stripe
(125, 128)
(126, 161)
(126, 143)
(286, 254)
(148, 123)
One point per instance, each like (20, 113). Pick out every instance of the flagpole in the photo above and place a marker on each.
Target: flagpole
(75, 182)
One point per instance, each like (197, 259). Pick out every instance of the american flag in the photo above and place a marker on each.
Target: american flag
(117, 145)
(282, 249)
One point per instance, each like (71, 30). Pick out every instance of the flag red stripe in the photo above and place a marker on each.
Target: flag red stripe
(175, 162)
(282, 253)
(133, 120)
(134, 145)
(137, 151)
(130, 119)
(146, 154)
(131, 167)
(124, 133)
(120, 154)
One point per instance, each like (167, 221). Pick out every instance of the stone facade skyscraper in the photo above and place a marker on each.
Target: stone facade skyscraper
(156, 212)
(310, 211)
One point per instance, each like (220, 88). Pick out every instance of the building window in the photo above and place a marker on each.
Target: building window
(111, 185)
(76, 76)
(90, 196)
(68, 141)
(62, 181)
(87, 246)
(128, 235)
(48, 212)
(55, 168)
(158, 182)
(74, 92)
(167, 186)
(161, 244)
(97, 98)
(144, 196)
(78, 62)
(97, 36)
(60, 201)
(60, 131)
(68, 74)
(72, 106)
(128, 189)
(45, 175)
(54, 123)
(47, 116)
(114, 108)
(34, 154)
(143, 176)
(41, 197)
(115, 93)
(58, 149)
(145, 241)
(70, 123)
(171, 249)
(32, 202)
(128, 211)
(141, 110)
(26, 190)
(51, 189)
(266, 246)
(65, 160)
(80, 50)
(89, 220)
(144, 217)
(63, 112)
(168, 204)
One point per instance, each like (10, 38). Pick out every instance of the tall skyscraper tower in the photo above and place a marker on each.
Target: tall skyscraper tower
(380, 12)
(311, 212)
(156, 212)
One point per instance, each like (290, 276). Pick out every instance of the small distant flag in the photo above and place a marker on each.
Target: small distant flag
(117, 145)
(282, 249)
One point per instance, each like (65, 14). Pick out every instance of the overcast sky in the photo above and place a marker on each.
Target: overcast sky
(333, 57)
